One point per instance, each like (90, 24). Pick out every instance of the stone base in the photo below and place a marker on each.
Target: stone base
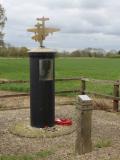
(24, 129)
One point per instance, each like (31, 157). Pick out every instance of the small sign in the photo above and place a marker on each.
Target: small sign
(84, 98)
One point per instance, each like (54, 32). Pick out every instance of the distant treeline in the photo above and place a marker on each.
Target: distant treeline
(13, 52)
(88, 52)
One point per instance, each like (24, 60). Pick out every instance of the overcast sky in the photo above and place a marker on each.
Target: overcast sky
(82, 23)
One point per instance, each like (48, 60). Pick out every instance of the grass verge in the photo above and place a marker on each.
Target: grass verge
(39, 155)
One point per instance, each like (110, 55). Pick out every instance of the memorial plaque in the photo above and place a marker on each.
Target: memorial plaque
(46, 69)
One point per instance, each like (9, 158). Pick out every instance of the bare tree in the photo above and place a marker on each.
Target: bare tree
(3, 19)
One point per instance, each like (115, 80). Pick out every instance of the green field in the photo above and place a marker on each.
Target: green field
(97, 68)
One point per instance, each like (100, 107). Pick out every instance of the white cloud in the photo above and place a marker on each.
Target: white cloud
(77, 19)
(92, 4)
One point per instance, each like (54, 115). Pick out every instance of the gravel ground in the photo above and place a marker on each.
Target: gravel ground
(105, 126)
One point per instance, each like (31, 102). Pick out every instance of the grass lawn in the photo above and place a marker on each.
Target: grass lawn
(97, 68)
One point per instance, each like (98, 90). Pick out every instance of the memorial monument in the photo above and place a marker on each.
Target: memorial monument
(42, 77)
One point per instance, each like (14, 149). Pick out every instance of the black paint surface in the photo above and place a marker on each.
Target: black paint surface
(42, 94)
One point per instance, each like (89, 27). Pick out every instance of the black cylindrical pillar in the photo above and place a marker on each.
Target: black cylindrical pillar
(42, 94)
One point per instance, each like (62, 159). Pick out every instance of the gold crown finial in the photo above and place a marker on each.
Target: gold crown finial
(41, 32)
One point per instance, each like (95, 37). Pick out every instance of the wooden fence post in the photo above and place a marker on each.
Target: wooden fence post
(116, 94)
(83, 86)
(83, 124)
